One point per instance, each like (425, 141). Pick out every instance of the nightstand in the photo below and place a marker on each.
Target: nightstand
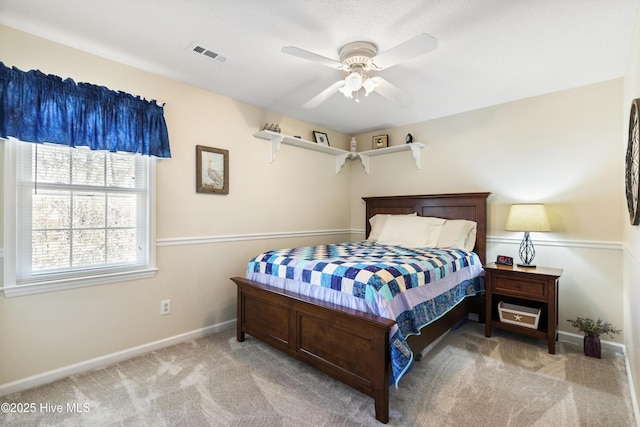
(530, 287)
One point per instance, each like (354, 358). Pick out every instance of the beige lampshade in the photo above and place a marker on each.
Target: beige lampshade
(527, 217)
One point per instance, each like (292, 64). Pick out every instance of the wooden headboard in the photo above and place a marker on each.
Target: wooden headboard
(470, 206)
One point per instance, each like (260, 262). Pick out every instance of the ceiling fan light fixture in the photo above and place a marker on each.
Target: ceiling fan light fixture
(353, 81)
(369, 86)
(346, 91)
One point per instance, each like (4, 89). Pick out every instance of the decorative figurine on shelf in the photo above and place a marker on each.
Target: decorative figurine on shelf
(409, 138)
(354, 144)
(271, 127)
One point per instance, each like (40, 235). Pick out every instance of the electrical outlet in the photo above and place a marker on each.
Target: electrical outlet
(165, 307)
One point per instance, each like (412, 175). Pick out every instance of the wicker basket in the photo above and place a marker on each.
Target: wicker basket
(519, 315)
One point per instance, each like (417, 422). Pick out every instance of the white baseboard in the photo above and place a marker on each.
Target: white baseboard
(606, 345)
(87, 365)
(632, 392)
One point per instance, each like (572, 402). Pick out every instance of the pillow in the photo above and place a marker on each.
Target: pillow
(411, 231)
(458, 234)
(377, 222)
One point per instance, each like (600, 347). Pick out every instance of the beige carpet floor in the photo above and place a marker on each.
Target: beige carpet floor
(465, 380)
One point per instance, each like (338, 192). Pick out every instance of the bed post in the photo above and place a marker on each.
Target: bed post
(239, 331)
(380, 380)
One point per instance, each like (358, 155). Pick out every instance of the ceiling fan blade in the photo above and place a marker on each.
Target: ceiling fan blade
(310, 56)
(412, 48)
(324, 95)
(391, 92)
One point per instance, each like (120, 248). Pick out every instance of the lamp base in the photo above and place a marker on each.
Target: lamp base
(527, 265)
(527, 252)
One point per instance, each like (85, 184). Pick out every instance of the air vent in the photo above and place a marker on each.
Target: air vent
(211, 54)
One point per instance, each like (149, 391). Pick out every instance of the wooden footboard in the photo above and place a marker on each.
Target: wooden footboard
(349, 345)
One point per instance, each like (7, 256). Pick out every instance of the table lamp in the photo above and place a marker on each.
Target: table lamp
(527, 218)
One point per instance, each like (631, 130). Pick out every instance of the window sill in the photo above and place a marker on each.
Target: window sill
(76, 282)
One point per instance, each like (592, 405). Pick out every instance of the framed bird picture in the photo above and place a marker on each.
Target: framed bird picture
(212, 170)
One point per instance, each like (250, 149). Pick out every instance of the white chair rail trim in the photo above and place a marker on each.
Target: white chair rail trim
(205, 240)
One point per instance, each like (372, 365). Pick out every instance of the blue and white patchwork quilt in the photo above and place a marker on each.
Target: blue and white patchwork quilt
(413, 286)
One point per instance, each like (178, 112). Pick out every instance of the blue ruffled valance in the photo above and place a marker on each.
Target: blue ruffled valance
(36, 107)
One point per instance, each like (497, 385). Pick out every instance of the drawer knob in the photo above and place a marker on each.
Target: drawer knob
(518, 286)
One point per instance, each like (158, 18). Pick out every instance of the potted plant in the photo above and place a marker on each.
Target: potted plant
(592, 331)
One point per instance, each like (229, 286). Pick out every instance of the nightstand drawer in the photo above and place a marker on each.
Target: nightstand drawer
(532, 288)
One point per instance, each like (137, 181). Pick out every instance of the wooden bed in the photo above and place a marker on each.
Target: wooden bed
(333, 339)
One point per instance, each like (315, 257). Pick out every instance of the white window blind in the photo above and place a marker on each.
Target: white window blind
(82, 217)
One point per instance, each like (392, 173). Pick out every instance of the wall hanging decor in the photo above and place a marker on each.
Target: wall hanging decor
(632, 165)
(212, 170)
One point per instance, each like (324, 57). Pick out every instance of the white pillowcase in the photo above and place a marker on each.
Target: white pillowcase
(458, 234)
(411, 231)
(377, 222)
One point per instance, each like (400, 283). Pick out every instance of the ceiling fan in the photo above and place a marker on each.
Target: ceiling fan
(357, 59)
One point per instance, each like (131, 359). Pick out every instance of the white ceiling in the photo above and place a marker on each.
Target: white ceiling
(489, 51)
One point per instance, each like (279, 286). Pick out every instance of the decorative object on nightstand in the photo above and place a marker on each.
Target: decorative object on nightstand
(592, 331)
(529, 293)
(527, 218)
(504, 260)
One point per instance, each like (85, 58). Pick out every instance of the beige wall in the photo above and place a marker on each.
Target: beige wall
(631, 234)
(296, 194)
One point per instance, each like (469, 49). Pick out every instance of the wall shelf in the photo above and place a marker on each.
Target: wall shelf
(276, 139)
(415, 148)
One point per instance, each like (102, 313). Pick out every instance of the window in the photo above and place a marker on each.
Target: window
(82, 217)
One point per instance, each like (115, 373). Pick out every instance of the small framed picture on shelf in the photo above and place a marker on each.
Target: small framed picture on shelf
(212, 170)
(321, 138)
(380, 141)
